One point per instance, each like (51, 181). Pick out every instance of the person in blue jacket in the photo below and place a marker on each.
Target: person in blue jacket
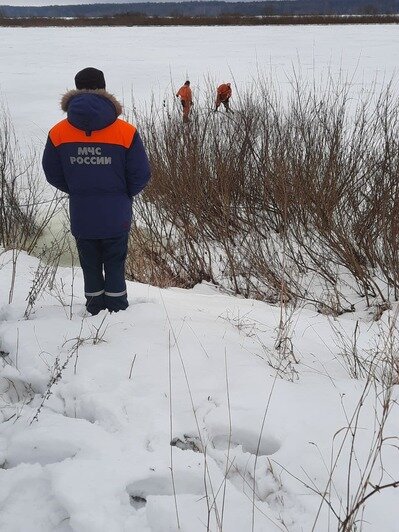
(100, 161)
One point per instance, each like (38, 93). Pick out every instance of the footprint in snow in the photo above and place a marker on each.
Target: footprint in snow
(161, 484)
(239, 437)
(244, 446)
(249, 442)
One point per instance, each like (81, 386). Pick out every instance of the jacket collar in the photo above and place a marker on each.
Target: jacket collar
(66, 99)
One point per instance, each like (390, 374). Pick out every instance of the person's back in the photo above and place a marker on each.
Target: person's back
(223, 95)
(224, 91)
(92, 145)
(186, 97)
(100, 161)
(185, 93)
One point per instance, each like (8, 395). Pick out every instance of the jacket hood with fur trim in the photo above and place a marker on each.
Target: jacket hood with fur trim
(91, 110)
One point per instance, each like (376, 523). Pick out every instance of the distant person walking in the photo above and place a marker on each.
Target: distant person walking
(99, 160)
(186, 98)
(223, 95)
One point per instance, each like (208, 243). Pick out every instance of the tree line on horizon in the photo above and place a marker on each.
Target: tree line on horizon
(209, 8)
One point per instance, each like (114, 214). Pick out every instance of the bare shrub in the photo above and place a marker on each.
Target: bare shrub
(44, 275)
(25, 211)
(379, 361)
(299, 194)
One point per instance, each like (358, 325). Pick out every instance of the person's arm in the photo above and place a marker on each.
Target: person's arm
(138, 170)
(53, 168)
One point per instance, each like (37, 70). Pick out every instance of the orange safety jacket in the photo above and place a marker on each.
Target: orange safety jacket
(99, 160)
(224, 92)
(185, 94)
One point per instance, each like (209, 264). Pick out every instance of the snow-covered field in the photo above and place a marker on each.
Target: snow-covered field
(90, 405)
(38, 64)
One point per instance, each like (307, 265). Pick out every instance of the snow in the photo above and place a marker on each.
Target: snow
(188, 366)
(39, 64)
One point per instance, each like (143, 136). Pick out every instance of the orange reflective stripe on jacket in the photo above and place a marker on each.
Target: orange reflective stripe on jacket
(119, 133)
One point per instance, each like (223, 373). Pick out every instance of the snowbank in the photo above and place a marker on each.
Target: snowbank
(88, 447)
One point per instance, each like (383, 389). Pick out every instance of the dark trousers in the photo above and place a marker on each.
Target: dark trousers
(103, 265)
(226, 104)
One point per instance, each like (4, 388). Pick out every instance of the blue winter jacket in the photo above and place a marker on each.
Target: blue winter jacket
(99, 160)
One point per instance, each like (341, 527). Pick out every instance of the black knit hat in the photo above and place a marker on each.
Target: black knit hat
(90, 78)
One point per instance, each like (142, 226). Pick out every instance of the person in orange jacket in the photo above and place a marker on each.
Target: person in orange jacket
(223, 95)
(186, 98)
